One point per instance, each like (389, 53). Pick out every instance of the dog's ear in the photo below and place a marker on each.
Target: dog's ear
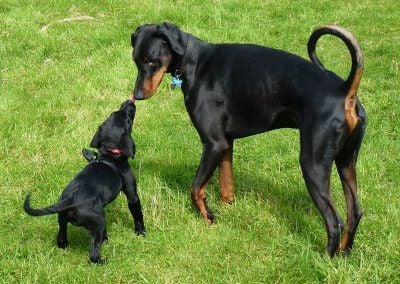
(96, 139)
(135, 35)
(128, 146)
(174, 36)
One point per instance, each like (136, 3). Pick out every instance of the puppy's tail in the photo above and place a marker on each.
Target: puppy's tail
(60, 206)
(357, 65)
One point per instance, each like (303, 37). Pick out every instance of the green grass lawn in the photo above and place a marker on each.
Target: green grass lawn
(59, 79)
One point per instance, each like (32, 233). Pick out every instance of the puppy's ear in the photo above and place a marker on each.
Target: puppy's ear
(174, 36)
(96, 139)
(128, 146)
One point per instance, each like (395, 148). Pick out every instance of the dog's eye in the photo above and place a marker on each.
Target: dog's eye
(150, 62)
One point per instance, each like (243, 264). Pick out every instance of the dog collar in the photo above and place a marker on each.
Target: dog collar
(185, 57)
(176, 81)
(104, 161)
(93, 157)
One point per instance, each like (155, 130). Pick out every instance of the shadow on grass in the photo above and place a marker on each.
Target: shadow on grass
(292, 205)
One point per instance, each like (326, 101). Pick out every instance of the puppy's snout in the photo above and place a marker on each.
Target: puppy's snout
(129, 108)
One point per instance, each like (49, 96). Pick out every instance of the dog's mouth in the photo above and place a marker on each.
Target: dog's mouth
(114, 151)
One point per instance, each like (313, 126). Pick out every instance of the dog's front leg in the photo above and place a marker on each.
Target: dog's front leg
(226, 176)
(211, 157)
(135, 207)
(136, 210)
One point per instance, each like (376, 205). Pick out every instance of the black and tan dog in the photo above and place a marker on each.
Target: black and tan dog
(99, 183)
(237, 90)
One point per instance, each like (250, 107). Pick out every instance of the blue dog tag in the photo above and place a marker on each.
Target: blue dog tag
(176, 83)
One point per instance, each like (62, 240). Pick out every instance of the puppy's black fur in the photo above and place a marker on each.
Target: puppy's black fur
(99, 183)
(237, 90)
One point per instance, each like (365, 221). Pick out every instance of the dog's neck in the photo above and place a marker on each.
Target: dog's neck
(186, 69)
(112, 161)
(180, 68)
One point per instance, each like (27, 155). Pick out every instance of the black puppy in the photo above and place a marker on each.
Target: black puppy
(99, 183)
(237, 90)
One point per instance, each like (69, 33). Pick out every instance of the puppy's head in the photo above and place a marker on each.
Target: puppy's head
(157, 50)
(113, 136)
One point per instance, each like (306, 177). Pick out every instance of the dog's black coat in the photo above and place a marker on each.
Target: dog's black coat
(237, 90)
(99, 183)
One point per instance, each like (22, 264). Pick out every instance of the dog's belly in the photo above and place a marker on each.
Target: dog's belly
(257, 122)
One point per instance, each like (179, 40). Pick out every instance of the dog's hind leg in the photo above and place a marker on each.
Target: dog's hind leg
(346, 167)
(62, 238)
(93, 219)
(97, 232)
(316, 165)
(105, 235)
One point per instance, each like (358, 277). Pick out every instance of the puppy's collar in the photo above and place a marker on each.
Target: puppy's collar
(108, 163)
(93, 157)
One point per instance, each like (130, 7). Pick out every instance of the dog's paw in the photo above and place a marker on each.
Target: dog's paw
(62, 244)
(210, 214)
(98, 261)
(140, 230)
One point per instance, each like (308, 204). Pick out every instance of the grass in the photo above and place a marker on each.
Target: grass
(57, 85)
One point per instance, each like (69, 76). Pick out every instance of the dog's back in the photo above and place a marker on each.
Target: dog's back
(95, 182)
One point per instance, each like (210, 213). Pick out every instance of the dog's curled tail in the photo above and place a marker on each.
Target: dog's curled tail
(357, 65)
(60, 206)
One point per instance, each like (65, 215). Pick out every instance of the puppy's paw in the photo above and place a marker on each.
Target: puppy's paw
(98, 261)
(62, 244)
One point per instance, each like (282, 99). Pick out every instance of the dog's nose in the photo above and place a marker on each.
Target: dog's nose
(138, 94)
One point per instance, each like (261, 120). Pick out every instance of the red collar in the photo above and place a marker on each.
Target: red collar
(114, 151)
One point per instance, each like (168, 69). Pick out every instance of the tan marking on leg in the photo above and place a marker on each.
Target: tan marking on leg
(350, 102)
(226, 177)
(349, 193)
(198, 197)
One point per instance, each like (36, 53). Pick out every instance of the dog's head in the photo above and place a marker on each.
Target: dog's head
(157, 49)
(113, 137)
